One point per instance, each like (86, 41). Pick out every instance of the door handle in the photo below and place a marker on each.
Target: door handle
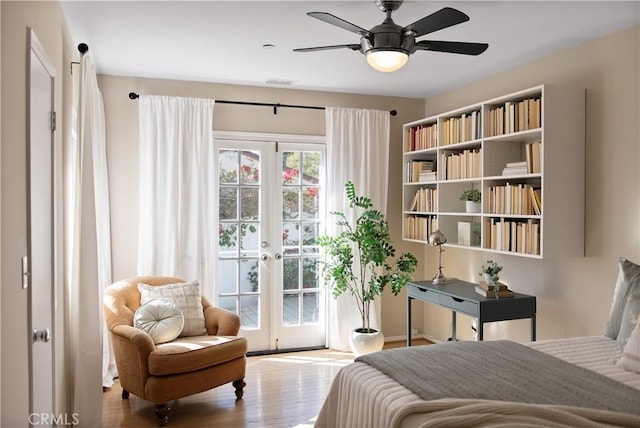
(41, 335)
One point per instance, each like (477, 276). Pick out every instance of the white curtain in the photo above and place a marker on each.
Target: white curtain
(177, 172)
(357, 151)
(88, 253)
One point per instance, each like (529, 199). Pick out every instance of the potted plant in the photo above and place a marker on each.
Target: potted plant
(359, 261)
(490, 271)
(472, 198)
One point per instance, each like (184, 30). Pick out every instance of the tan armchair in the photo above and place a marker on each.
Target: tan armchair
(182, 367)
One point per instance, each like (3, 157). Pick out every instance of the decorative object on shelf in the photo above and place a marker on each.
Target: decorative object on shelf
(472, 198)
(438, 238)
(469, 233)
(358, 262)
(490, 271)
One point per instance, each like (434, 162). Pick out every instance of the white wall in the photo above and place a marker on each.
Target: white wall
(573, 294)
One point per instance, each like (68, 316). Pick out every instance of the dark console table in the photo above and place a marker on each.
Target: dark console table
(460, 296)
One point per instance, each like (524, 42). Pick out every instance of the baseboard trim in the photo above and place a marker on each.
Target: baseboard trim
(403, 338)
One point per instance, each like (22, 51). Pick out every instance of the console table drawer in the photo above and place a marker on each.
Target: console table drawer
(459, 305)
(424, 294)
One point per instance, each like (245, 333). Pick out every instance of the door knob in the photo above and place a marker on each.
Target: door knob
(264, 257)
(278, 256)
(41, 335)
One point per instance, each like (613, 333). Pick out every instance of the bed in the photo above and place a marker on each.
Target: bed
(467, 385)
(583, 381)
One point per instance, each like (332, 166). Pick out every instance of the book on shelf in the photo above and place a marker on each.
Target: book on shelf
(417, 167)
(427, 176)
(532, 153)
(514, 236)
(424, 200)
(515, 170)
(488, 293)
(488, 287)
(421, 137)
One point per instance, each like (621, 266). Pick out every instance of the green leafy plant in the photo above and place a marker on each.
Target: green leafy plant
(491, 269)
(472, 195)
(359, 258)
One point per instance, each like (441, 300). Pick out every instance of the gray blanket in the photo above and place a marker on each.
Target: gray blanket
(504, 371)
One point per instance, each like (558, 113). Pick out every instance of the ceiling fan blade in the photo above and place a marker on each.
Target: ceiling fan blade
(465, 48)
(338, 22)
(326, 48)
(443, 18)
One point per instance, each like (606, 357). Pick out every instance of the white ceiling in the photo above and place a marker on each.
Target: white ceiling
(221, 41)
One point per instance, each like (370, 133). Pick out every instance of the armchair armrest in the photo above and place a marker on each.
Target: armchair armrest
(132, 347)
(221, 322)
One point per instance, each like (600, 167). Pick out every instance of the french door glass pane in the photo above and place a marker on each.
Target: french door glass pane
(311, 167)
(310, 272)
(228, 203)
(290, 203)
(228, 276)
(250, 311)
(291, 309)
(310, 302)
(291, 273)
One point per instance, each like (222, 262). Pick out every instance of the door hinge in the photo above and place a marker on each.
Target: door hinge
(53, 120)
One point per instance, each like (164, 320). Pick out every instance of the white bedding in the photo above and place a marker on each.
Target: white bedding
(361, 396)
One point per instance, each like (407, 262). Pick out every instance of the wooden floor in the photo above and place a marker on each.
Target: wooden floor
(283, 390)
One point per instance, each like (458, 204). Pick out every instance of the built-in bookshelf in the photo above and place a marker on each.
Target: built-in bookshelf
(524, 151)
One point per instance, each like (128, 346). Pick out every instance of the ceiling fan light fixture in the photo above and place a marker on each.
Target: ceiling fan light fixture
(387, 61)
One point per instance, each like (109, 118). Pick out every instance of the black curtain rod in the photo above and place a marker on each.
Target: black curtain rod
(133, 96)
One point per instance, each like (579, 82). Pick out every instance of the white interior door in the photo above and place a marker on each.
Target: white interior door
(41, 255)
(269, 216)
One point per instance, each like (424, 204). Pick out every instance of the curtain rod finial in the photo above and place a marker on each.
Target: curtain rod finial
(133, 95)
(393, 112)
(83, 48)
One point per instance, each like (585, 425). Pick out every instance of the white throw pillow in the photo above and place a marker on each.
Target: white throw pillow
(186, 296)
(630, 317)
(630, 359)
(161, 319)
(628, 280)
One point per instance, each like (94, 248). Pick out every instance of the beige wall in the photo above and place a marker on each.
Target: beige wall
(46, 19)
(122, 152)
(573, 294)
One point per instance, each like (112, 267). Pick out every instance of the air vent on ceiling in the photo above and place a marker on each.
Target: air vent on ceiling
(284, 82)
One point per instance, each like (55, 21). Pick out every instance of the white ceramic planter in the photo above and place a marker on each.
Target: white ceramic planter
(472, 207)
(366, 343)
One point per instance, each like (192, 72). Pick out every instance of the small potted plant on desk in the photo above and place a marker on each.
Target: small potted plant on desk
(472, 198)
(359, 263)
(490, 271)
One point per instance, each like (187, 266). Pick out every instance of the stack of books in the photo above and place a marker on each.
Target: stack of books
(488, 290)
(516, 168)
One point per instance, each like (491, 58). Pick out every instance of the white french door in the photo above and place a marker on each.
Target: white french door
(270, 199)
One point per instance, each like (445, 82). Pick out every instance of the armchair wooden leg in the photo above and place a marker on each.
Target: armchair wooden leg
(125, 394)
(239, 385)
(162, 413)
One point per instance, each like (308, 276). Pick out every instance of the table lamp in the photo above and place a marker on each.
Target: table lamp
(438, 238)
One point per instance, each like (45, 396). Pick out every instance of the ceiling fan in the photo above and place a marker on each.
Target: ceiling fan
(387, 46)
